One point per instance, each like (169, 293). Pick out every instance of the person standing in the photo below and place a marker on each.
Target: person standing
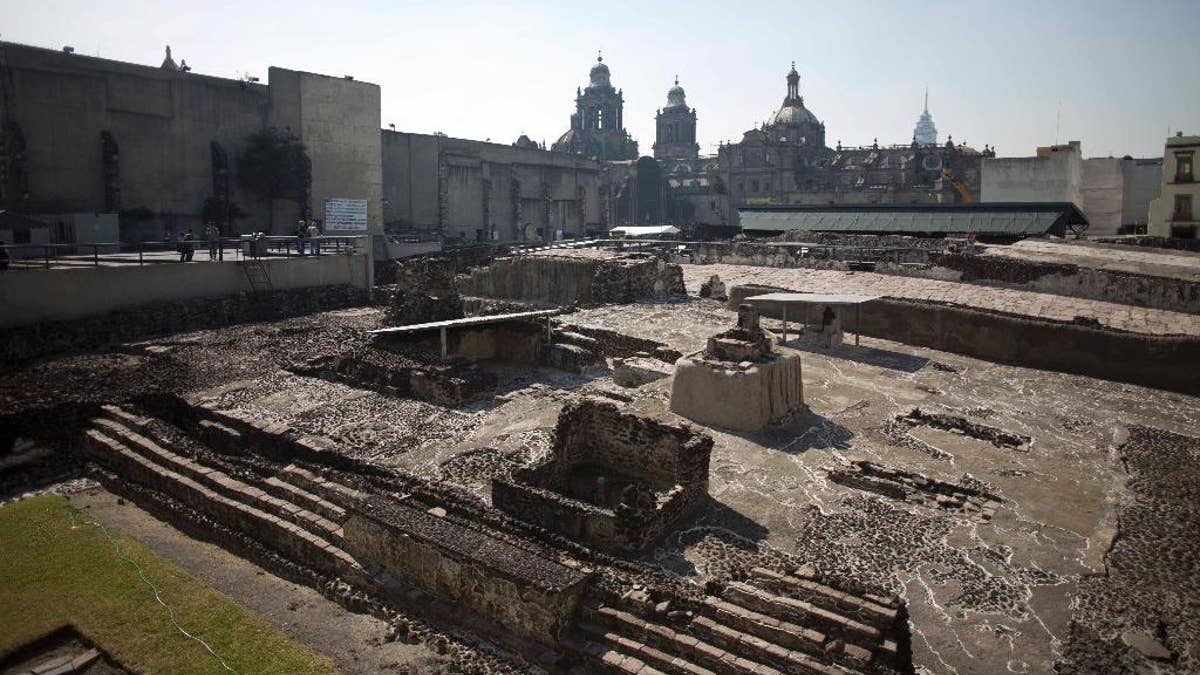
(301, 232)
(187, 246)
(213, 234)
(314, 238)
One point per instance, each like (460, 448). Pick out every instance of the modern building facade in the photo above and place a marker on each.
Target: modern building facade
(1174, 212)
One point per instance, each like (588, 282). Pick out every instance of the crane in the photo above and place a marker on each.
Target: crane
(963, 192)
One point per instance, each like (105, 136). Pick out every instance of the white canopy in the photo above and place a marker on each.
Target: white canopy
(645, 231)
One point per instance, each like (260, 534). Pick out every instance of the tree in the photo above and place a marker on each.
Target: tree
(275, 165)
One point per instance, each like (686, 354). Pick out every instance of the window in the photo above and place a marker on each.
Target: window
(754, 186)
(1183, 207)
(1183, 167)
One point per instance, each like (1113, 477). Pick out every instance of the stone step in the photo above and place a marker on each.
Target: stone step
(302, 497)
(867, 609)
(331, 491)
(219, 481)
(611, 653)
(273, 531)
(785, 634)
(651, 656)
(789, 660)
(733, 657)
(802, 612)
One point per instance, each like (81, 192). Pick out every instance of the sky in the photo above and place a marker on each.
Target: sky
(1015, 74)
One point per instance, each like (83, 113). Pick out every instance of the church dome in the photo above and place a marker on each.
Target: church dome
(676, 98)
(794, 112)
(599, 75)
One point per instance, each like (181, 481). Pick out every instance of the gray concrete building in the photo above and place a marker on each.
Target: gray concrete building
(80, 134)
(1114, 193)
(477, 191)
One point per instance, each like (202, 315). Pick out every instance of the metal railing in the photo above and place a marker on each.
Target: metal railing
(47, 256)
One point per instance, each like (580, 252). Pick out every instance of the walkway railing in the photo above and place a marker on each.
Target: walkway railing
(47, 256)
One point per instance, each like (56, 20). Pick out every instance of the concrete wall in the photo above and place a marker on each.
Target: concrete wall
(30, 296)
(1143, 183)
(163, 122)
(1152, 361)
(338, 121)
(1102, 189)
(1053, 178)
(473, 189)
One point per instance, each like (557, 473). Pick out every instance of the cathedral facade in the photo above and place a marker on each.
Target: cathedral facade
(598, 123)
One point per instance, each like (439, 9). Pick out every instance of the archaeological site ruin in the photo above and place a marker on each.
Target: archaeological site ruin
(426, 404)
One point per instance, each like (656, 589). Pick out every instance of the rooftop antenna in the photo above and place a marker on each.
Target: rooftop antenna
(1057, 121)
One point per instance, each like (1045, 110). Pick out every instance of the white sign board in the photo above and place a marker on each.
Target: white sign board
(345, 215)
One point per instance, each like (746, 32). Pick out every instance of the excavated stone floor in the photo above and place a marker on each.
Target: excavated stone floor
(1061, 459)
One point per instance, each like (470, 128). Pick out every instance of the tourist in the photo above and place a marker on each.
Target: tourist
(314, 234)
(187, 246)
(213, 234)
(301, 233)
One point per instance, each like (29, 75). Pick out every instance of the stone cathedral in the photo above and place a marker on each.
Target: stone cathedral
(598, 124)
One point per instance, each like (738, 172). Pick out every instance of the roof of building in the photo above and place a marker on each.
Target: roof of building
(998, 218)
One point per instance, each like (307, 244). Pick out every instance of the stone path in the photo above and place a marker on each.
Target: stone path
(1009, 301)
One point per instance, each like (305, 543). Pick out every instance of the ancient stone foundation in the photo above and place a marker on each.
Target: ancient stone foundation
(738, 382)
(577, 277)
(614, 480)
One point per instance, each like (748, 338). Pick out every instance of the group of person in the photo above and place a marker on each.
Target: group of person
(310, 232)
(187, 243)
(308, 241)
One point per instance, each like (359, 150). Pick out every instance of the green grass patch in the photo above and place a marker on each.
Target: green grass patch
(53, 575)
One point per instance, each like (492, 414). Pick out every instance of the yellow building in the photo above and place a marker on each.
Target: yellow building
(1174, 213)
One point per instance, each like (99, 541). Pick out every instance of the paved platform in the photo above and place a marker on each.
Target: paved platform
(1110, 257)
(1009, 301)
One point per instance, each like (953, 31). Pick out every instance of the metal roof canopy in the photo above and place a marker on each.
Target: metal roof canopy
(808, 299)
(469, 321)
(814, 298)
(1000, 218)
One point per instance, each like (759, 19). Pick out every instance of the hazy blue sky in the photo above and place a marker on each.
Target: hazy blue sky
(998, 72)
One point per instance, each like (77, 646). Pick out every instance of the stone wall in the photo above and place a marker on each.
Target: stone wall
(21, 343)
(575, 279)
(1155, 361)
(657, 472)
(532, 596)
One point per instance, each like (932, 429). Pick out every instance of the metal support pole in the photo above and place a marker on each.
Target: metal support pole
(857, 323)
(141, 247)
(549, 331)
(443, 331)
(784, 325)
(95, 255)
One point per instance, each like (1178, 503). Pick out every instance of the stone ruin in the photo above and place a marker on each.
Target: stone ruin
(584, 277)
(424, 291)
(714, 288)
(614, 480)
(738, 381)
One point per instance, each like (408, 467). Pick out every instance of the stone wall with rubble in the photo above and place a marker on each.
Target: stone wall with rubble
(575, 279)
(532, 596)
(22, 343)
(1159, 361)
(646, 451)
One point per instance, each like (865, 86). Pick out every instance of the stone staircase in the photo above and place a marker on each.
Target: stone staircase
(771, 623)
(280, 514)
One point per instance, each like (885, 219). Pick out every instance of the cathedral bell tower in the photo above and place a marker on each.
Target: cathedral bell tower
(675, 137)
